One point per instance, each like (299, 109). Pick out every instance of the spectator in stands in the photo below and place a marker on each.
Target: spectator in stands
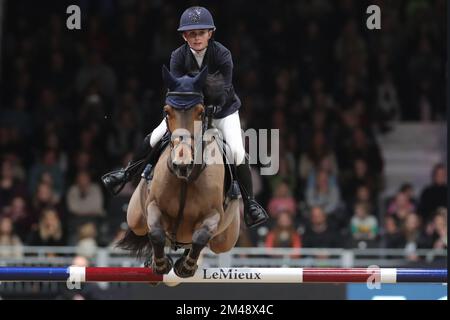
(414, 237)
(362, 194)
(83, 161)
(283, 234)
(400, 206)
(434, 195)
(408, 190)
(437, 230)
(85, 198)
(318, 233)
(53, 142)
(282, 201)
(324, 194)
(312, 158)
(19, 214)
(364, 147)
(10, 185)
(364, 226)
(47, 164)
(10, 243)
(360, 175)
(49, 231)
(392, 238)
(87, 243)
(44, 198)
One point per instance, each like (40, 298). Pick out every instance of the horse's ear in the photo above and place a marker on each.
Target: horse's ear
(169, 80)
(200, 79)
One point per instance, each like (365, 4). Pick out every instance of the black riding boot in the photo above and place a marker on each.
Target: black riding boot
(254, 213)
(114, 181)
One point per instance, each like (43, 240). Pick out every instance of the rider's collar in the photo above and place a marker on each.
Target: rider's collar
(199, 54)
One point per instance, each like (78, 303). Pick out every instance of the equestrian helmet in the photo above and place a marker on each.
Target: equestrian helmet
(196, 18)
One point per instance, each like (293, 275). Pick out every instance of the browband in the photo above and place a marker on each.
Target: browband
(179, 93)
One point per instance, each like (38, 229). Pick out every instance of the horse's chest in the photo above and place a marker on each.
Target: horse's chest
(193, 203)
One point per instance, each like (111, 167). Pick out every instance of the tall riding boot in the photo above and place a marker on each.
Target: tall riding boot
(254, 213)
(114, 181)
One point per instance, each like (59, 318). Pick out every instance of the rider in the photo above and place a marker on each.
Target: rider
(200, 50)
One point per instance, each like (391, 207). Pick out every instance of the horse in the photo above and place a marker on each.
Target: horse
(188, 203)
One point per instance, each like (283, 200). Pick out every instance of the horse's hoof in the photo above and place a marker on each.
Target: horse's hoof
(163, 268)
(183, 269)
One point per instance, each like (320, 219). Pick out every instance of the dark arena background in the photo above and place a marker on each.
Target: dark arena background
(362, 120)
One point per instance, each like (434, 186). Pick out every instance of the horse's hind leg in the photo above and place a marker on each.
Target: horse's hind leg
(187, 265)
(161, 263)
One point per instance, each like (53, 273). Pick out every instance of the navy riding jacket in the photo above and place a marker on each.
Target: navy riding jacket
(219, 61)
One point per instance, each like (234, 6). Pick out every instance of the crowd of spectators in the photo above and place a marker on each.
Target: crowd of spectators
(76, 103)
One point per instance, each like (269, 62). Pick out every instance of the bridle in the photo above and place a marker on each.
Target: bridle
(196, 147)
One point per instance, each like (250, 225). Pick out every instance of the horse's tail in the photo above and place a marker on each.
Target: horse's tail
(139, 246)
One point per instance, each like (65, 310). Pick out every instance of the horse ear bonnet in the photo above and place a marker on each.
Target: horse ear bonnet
(186, 91)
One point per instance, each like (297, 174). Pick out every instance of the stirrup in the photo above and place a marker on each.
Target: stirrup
(146, 174)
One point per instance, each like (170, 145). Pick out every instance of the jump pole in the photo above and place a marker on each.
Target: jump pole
(225, 275)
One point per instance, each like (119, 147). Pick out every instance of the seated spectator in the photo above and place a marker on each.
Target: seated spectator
(434, 195)
(358, 176)
(282, 201)
(413, 236)
(318, 233)
(324, 194)
(48, 164)
(325, 165)
(364, 226)
(49, 231)
(362, 146)
(400, 206)
(20, 215)
(10, 243)
(437, 230)
(392, 238)
(52, 141)
(87, 243)
(312, 158)
(10, 185)
(82, 160)
(408, 190)
(283, 234)
(44, 198)
(85, 198)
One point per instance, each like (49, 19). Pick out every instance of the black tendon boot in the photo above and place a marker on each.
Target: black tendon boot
(115, 181)
(254, 213)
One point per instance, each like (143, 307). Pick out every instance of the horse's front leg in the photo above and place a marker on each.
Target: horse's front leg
(161, 263)
(186, 266)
